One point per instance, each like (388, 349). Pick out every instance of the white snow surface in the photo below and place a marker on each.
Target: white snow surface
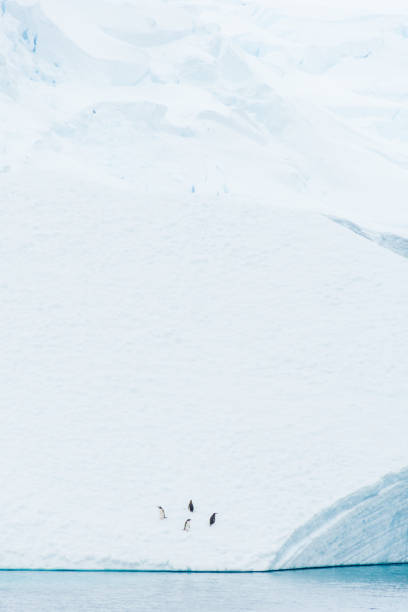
(185, 312)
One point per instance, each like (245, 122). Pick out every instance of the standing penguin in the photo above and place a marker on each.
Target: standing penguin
(187, 525)
(162, 513)
(212, 518)
(190, 505)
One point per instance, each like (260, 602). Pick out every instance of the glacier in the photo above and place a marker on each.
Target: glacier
(195, 301)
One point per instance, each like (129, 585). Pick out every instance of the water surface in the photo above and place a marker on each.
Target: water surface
(383, 588)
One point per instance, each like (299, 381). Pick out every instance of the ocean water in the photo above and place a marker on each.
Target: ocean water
(383, 588)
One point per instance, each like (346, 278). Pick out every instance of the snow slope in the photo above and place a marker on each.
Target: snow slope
(181, 316)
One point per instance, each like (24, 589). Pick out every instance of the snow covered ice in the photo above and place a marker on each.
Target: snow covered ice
(196, 298)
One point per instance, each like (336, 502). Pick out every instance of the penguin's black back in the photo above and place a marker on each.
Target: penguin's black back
(191, 506)
(212, 519)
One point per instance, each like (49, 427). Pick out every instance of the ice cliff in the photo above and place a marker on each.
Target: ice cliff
(369, 526)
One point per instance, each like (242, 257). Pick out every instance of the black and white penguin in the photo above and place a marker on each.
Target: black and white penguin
(162, 513)
(212, 518)
(187, 525)
(191, 506)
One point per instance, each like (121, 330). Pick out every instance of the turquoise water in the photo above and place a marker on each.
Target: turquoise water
(342, 589)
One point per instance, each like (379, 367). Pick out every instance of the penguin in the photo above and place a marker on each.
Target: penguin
(190, 505)
(162, 513)
(187, 525)
(212, 518)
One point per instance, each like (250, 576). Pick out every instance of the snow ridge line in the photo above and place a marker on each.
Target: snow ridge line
(393, 242)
